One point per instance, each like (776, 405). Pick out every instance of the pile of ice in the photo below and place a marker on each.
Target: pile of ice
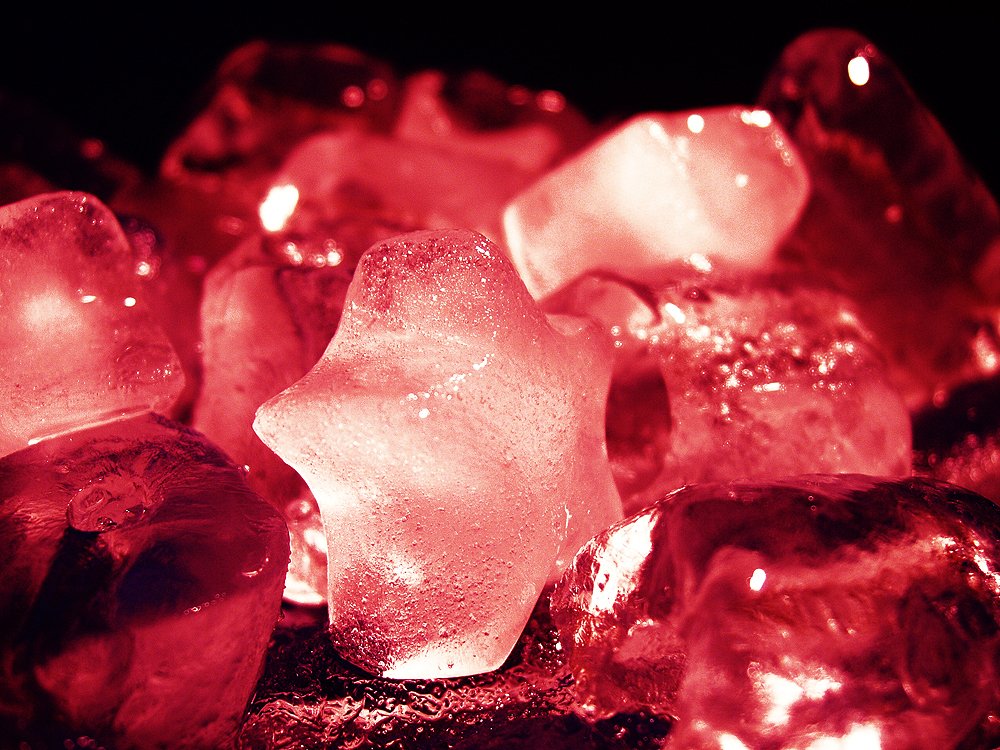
(435, 349)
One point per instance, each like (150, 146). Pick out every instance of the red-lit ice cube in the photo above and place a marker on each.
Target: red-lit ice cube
(732, 376)
(78, 344)
(724, 183)
(476, 113)
(897, 219)
(140, 581)
(451, 434)
(818, 611)
(265, 322)
(264, 99)
(411, 185)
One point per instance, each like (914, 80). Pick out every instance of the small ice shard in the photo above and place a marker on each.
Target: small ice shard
(897, 219)
(264, 323)
(816, 611)
(735, 376)
(78, 344)
(724, 183)
(477, 113)
(450, 434)
(140, 581)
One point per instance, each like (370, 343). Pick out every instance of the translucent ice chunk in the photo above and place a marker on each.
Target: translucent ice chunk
(140, 581)
(897, 219)
(410, 184)
(720, 376)
(476, 113)
(263, 101)
(77, 342)
(724, 183)
(819, 611)
(264, 324)
(450, 435)
(266, 97)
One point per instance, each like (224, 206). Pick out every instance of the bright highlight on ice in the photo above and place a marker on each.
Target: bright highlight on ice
(858, 70)
(277, 208)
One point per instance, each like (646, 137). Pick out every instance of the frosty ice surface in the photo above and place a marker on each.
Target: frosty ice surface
(78, 344)
(724, 183)
(723, 375)
(450, 434)
(797, 613)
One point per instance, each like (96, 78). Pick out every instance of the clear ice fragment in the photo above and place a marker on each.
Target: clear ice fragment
(266, 97)
(723, 183)
(78, 343)
(411, 185)
(476, 113)
(140, 581)
(816, 611)
(897, 220)
(264, 323)
(735, 376)
(453, 438)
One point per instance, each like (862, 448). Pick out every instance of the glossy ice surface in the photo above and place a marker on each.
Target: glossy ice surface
(78, 344)
(725, 183)
(265, 322)
(818, 611)
(140, 580)
(453, 437)
(897, 220)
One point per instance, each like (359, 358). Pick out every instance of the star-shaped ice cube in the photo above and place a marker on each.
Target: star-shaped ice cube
(453, 436)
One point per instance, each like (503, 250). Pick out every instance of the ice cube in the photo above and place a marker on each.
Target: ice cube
(450, 434)
(140, 581)
(265, 323)
(476, 113)
(722, 376)
(263, 101)
(897, 219)
(410, 185)
(272, 306)
(724, 183)
(826, 610)
(78, 343)
(266, 97)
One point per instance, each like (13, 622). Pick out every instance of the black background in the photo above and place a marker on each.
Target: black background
(131, 78)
